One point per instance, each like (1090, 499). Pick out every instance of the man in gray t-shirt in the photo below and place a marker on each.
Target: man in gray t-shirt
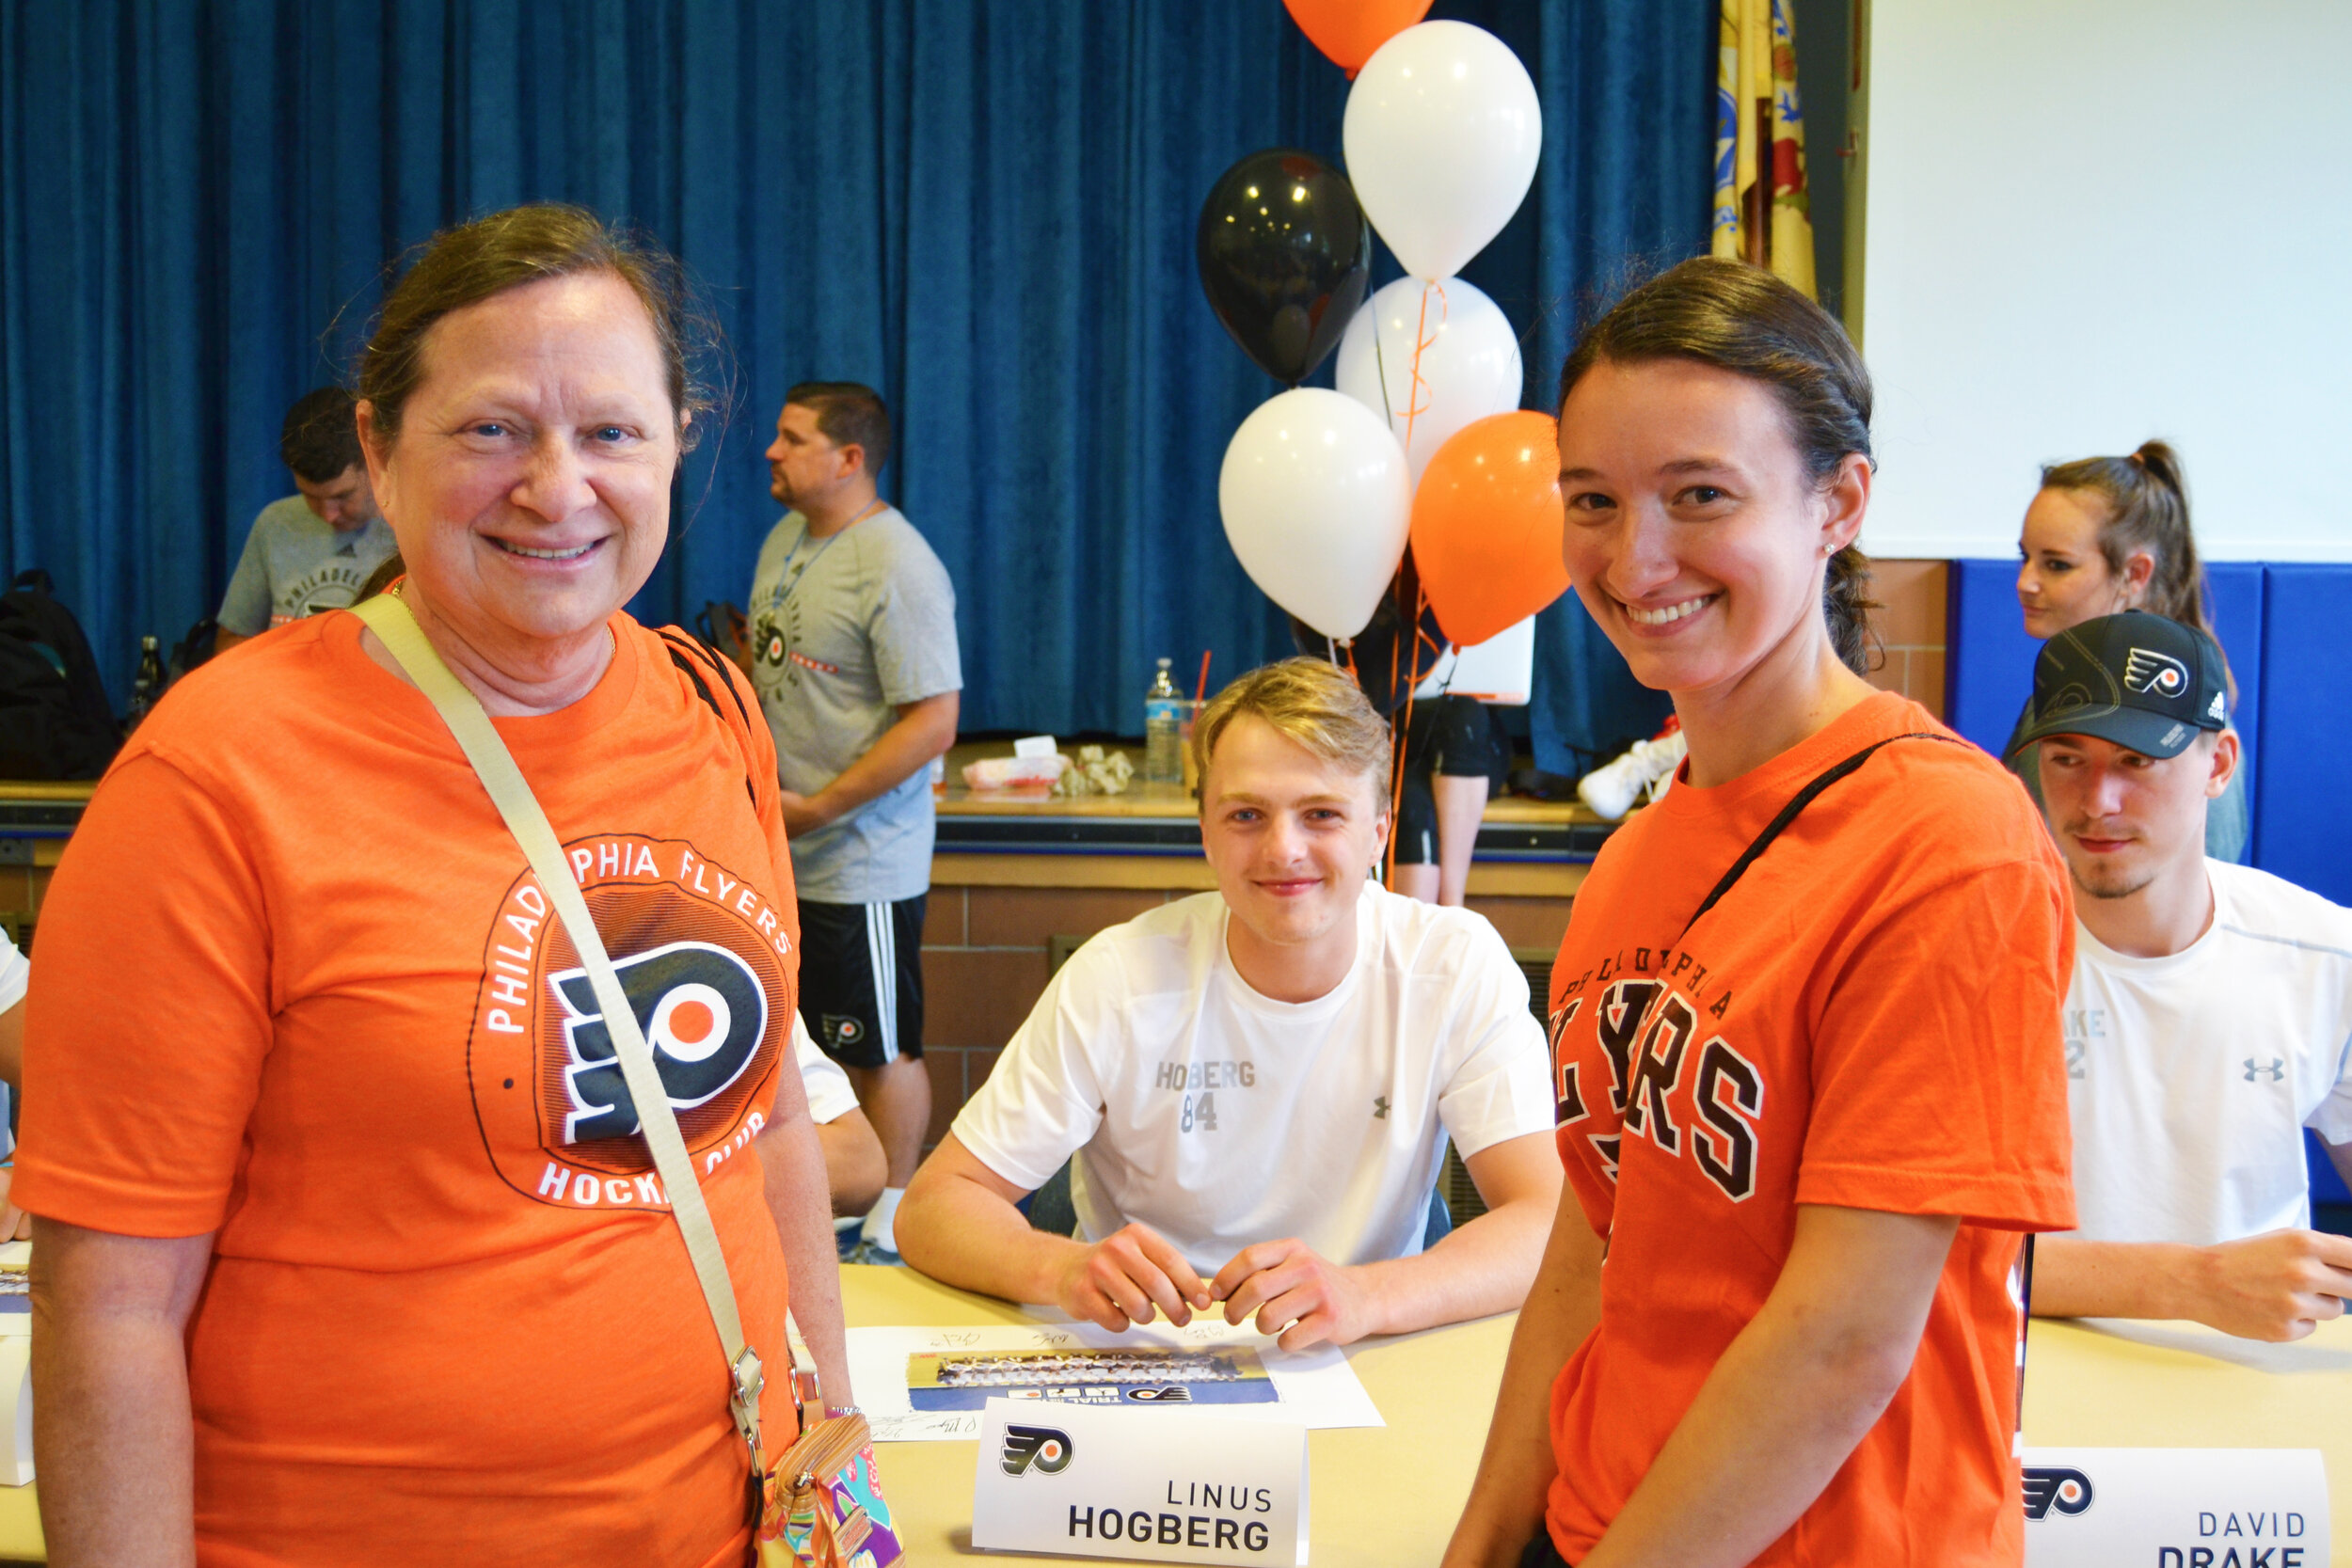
(853, 655)
(315, 550)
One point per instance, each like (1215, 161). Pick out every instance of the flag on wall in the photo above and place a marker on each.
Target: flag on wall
(1761, 210)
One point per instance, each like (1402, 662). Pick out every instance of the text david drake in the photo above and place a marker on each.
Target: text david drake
(1116, 1482)
(2176, 1508)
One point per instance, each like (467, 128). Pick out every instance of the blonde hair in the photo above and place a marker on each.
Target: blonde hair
(1314, 703)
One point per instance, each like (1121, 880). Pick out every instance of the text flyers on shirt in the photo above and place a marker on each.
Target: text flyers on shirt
(1156, 1485)
(2176, 1508)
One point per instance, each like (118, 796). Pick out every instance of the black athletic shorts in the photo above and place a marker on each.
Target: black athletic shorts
(1541, 1553)
(862, 980)
(1454, 736)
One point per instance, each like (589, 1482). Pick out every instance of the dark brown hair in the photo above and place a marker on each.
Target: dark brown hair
(849, 414)
(1742, 319)
(2147, 510)
(320, 440)
(469, 264)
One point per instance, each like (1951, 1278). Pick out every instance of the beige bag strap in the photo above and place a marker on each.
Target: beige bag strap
(391, 621)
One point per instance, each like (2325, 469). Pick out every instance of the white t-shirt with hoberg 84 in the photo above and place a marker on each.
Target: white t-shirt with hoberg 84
(2191, 1077)
(1221, 1117)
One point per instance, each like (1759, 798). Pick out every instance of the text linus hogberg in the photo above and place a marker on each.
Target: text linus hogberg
(1216, 1531)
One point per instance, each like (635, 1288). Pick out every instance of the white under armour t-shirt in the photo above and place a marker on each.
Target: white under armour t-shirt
(1221, 1117)
(2192, 1077)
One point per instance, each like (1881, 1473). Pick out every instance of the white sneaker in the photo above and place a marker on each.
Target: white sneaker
(1612, 789)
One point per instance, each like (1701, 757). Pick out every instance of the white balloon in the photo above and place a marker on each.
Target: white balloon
(1442, 133)
(1470, 367)
(1317, 506)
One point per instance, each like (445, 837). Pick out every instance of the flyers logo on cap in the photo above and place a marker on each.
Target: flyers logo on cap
(701, 956)
(2147, 671)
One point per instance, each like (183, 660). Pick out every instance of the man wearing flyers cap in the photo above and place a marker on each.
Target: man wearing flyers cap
(2209, 1020)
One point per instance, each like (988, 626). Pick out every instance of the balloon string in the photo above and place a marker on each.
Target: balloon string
(1402, 733)
(1416, 402)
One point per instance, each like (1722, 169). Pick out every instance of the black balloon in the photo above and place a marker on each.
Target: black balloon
(1285, 254)
(1388, 658)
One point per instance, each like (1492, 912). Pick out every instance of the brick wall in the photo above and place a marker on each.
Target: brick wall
(21, 889)
(1910, 624)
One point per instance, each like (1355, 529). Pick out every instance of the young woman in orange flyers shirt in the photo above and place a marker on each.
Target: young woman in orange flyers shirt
(1804, 1120)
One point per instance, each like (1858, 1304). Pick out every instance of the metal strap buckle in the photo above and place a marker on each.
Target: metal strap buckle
(748, 1381)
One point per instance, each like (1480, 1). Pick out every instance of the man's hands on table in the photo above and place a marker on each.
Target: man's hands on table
(1296, 1296)
(1120, 1280)
(2279, 1286)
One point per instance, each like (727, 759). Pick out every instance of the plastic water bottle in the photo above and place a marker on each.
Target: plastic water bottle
(146, 685)
(1163, 720)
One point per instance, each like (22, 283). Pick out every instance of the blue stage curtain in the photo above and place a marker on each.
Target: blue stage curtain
(984, 210)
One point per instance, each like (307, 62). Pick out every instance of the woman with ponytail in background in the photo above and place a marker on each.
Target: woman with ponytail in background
(2107, 534)
(1804, 1019)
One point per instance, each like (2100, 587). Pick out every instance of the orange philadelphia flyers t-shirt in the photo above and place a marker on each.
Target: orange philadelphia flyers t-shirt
(297, 987)
(1868, 1020)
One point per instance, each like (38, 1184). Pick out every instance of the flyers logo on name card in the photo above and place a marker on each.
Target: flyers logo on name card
(2067, 1490)
(704, 961)
(1046, 1447)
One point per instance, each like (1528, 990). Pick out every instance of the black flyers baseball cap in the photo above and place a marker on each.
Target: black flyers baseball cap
(2143, 682)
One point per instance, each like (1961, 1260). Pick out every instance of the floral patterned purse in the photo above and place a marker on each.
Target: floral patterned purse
(820, 1505)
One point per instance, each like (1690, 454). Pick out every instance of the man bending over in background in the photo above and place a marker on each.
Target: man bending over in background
(312, 550)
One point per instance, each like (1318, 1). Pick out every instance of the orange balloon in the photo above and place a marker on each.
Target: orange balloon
(1488, 525)
(1350, 30)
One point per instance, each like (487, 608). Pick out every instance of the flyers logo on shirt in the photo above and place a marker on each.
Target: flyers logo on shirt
(704, 959)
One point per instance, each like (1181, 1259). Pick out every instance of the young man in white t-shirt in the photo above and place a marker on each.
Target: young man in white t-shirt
(2210, 1018)
(1255, 1086)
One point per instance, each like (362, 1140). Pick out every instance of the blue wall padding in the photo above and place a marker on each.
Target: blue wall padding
(1989, 663)
(2300, 830)
(2238, 589)
(1989, 660)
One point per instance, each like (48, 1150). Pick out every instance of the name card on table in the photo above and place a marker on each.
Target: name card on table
(1160, 1486)
(2176, 1508)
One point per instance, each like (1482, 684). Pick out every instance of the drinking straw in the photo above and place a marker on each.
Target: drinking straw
(1200, 689)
